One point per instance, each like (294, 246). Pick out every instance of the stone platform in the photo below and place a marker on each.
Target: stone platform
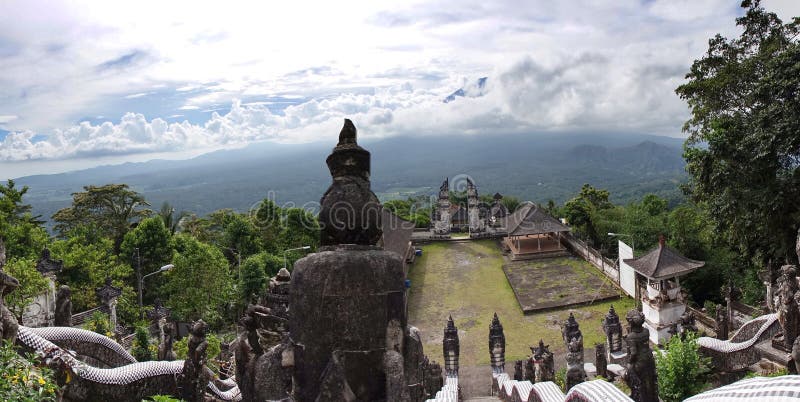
(546, 284)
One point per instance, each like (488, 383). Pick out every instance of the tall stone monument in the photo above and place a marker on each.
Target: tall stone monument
(476, 223)
(441, 221)
(641, 373)
(347, 309)
(613, 330)
(497, 345)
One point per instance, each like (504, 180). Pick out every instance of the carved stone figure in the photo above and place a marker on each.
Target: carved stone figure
(600, 360)
(788, 313)
(721, 319)
(247, 350)
(796, 355)
(613, 330)
(277, 296)
(272, 378)
(530, 371)
(575, 372)
(166, 340)
(570, 330)
(518, 370)
(497, 345)
(545, 365)
(433, 378)
(8, 323)
(63, 316)
(641, 373)
(194, 377)
(344, 296)
(450, 348)
(687, 322)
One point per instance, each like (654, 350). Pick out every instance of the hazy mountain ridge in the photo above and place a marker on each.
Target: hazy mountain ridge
(535, 167)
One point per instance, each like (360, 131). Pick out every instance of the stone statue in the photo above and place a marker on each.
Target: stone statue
(8, 323)
(277, 296)
(786, 304)
(194, 377)
(165, 351)
(721, 318)
(613, 330)
(571, 330)
(349, 212)
(353, 320)
(530, 371)
(796, 355)
(497, 345)
(575, 372)
(600, 360)
(272, 378)
(450, 347)
(641, 373)
(63, 316)
(543, 360)
(518, 370)
(433, 378)
(247, 350)
(687, 322)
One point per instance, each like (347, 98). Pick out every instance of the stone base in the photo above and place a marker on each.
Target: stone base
(616, 369)
(777, 343)
(767, 350)
(590, 369)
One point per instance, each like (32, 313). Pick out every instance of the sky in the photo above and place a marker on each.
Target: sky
(85, 83)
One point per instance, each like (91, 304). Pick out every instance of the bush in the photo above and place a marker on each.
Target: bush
(181, 347)
(99, 322)
(24, 378)
(682, 371)
(561, 378)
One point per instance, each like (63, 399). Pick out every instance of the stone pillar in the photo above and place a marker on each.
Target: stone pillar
(108, 295)
(497, 345)
(450, 348)
(570, 331)
(600, 360)
(344, 297)
(543, 359)
(63, 315)
(441, 225)
(575, 371)
(722, 323)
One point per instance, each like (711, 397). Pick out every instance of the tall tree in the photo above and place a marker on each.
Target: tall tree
(23, 233)
(111, 208)
(743, 149)
(148, 245)
(200, 284)
(580, 210)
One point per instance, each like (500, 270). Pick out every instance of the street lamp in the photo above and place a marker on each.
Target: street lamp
(141, 284)
(292, 249)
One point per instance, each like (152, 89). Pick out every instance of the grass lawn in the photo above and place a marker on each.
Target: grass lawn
(466, 280)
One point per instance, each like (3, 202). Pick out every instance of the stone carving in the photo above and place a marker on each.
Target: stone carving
(575, 372)
(345, 297)
(415, 362)
(787, 306)
(721, 319)
(570, 330)
(159, 311)
(433, 378)
(518, 370)
(194, 377)
(350, 212)
(796, 355)
(687, 322)
(108, 295)
(530, 371)
(450, 348)
(497, 344)
(600, 360)
(272, 378)
(545, 365)
(613, 330)
(441, 218)
(477, 215)
(63, 316)
(8, 323)
(277, 296)
(641, 373)
(166, 340)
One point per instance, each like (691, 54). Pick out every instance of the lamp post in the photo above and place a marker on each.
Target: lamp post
(292, 249)
(141, 284)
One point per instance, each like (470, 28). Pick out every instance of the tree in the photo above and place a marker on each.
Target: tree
(743, 150)
(253, 279)
(580, 209)
(141, 344)
(200, 283)
(240, 237)
(88, 260)
(31, 284)
(681, 370)
(171, 221)
(152, 240)
(23, 234)
(111, 208)
(300, 228)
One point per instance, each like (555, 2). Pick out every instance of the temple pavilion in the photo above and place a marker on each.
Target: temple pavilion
(657, 276)
(531, 232)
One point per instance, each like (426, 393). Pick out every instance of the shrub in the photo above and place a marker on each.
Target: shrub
(24, 378)
(99, 322)
(561, 377)
(682, 371)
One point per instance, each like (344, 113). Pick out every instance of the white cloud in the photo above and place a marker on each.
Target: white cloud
(7, 118)
(139, 95)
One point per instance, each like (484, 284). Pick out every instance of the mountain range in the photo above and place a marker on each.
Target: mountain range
(536, 167)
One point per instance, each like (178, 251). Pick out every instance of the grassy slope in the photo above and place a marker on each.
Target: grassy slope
(467, 281)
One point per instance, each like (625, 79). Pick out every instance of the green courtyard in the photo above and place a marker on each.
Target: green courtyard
(466, 280)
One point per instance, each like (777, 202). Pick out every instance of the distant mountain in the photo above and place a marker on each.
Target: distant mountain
(535, 167)
(472, 90)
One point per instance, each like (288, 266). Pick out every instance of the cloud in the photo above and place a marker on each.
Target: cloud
(7, 118)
